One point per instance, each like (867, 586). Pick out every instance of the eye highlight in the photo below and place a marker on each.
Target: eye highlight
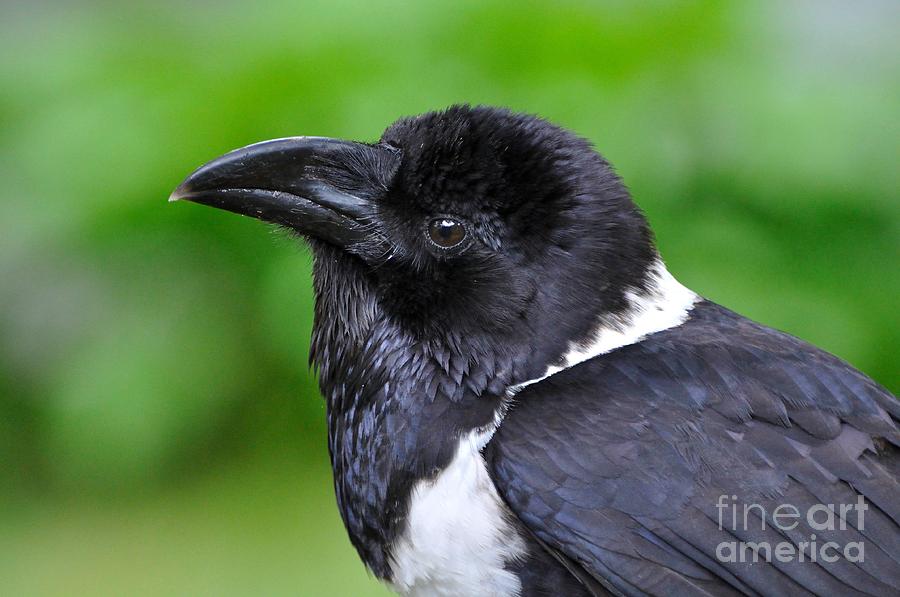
(446, 232)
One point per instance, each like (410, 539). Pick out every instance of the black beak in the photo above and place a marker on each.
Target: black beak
(310, 184)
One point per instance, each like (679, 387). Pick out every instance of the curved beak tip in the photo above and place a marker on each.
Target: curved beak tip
(179, 193)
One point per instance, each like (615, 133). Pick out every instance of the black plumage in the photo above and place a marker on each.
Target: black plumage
(609, 470)
(618, 462)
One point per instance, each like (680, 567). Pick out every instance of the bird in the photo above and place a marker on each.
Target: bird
(522, 400)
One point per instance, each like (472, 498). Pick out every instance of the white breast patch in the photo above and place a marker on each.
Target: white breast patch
(458, 535)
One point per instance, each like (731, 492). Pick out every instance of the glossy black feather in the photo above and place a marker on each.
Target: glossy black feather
(618, 462)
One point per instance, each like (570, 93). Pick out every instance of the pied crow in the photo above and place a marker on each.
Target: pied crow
(522, 400)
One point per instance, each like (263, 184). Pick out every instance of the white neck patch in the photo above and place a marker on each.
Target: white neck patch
(665, 304)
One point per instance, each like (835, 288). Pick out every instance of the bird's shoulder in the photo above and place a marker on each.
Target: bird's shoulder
(721, 361)
(618, 462)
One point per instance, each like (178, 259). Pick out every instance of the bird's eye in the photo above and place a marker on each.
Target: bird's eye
(446, 232)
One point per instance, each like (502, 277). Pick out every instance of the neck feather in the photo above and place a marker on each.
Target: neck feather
(665, 303)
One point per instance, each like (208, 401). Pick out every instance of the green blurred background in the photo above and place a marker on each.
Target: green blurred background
(160, 433)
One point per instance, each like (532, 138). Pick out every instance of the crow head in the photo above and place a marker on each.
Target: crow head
(473, 230)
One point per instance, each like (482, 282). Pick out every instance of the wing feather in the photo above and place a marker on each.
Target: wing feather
(618, 463)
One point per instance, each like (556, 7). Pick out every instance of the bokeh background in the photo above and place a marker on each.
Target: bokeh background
(160, 433)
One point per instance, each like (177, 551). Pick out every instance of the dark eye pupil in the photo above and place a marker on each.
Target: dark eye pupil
(446, 232)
